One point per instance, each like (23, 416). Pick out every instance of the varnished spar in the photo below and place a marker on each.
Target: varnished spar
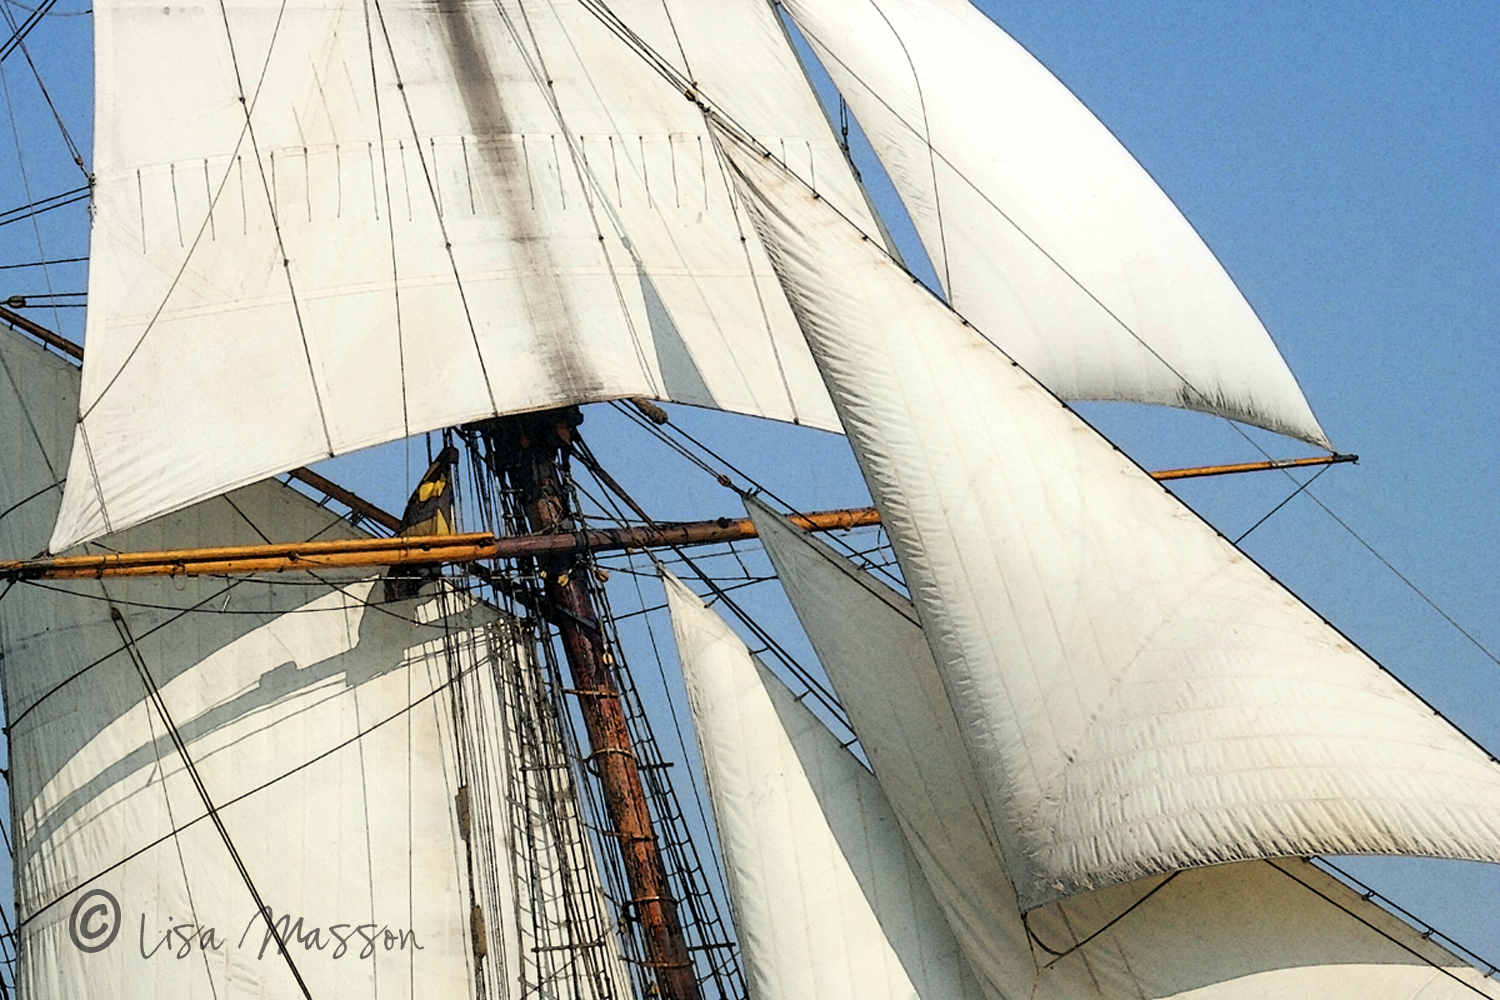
(479, 546)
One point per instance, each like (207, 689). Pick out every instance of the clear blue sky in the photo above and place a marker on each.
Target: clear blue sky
(1341, 159)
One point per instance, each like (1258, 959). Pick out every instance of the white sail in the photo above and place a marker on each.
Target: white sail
(322, 227)
(1247, 930)
(1137, 696)
(829, 904)
(1044, 230)
(332, 738)
(868, 640)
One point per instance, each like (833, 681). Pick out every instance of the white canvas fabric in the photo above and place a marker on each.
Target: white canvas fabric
(322, 226)
(332, 736)
(1136, 695)
(1280, 928)
(1043, 229)
(828, 901)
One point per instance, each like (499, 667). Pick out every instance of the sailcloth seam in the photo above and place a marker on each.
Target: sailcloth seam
(435, 203)
(1123, 674)
(926, 135)
(589, 181)
(271, 207)
(1196, 394)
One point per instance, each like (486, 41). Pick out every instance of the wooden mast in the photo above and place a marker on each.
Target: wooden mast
(526, 453)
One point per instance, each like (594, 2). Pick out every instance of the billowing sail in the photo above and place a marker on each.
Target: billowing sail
(828, 901)
(868, 640)
(324, 227)
(1043, 229)
(347, 760)
(1252, 929)
(1137, 696)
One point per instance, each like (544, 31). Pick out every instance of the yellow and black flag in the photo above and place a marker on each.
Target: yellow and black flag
(428, 512)
(430, 509)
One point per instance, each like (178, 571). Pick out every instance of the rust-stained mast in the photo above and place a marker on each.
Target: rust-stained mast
(526, 453)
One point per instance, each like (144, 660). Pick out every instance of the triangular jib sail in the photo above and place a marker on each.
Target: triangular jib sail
(1216, 933)
(1042, 228)
(1137, 696)
(828, 901)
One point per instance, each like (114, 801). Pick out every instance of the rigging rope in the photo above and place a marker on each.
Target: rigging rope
(19, 34)
(42, 86)
(35, 208)
(213, 812)
(1292, 496)
(361, 734)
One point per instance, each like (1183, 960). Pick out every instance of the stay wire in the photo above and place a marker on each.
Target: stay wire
(1406, 580)
(1411, 918)
(1382, 932)
(19, 34)
(32, 209)
(1292, 496)
(42, 86)
(213, 812)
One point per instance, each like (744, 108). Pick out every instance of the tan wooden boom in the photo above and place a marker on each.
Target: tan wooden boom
(427, 549)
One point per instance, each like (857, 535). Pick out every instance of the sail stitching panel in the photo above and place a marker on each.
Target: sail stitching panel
(272, 208)
(246, 130)
(390, 215)
(400, 713)
(712, 113)
(760, 298)
(689, 88)
(889, 390)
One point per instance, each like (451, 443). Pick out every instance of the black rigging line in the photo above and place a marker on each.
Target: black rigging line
(19, 34)
(1427, 929)
(26, 500)
(42, 86)
(1407, 580)
(399, 713)
(1270, 513)
(213, 812)
(1383, 933)
(24, 212)
(1060, 955)
(44, 263)
(56, 13)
